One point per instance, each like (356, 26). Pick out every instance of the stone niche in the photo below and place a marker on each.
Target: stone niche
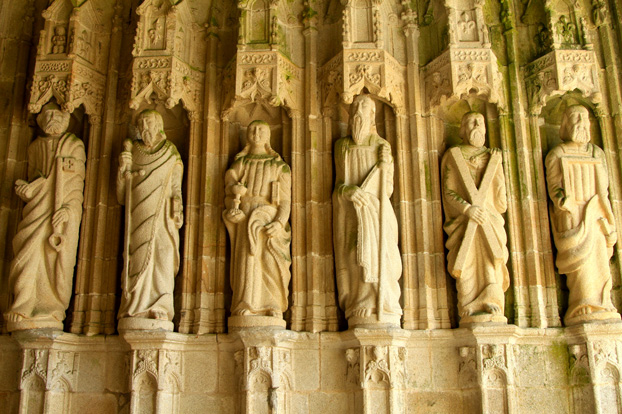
(211, 68)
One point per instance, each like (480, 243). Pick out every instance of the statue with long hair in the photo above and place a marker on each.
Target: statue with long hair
(258, 205)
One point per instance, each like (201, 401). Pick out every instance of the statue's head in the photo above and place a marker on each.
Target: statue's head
(575, 125)
(258, 134)
(150, 127)
(53, 120)
(362, 117)
(473, 129)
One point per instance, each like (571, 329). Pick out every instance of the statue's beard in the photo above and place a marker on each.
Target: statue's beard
(477, 138)
(54, 128)
(580, 134)
(360, 127)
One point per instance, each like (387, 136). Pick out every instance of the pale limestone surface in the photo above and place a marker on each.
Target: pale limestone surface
(258, 200)
(367, 258)
(41, 275)
(149, 186)
(210, 67)
(582, 219)
(474, 199)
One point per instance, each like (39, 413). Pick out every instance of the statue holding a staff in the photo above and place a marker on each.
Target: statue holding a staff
(365, 232)
(149, 185)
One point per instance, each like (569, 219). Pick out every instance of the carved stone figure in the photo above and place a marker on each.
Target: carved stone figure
(45, 246)
(474, 197)
(149, 185)
(258, 205)
(365, 233)
(582, 219)
(59, 40)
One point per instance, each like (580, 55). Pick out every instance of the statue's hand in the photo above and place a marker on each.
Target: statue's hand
(24, 190)
(357, 196)
(235, 215)
(495, 150)
(477, 214)
(60, 217)
(274, 228)
(125, 161)
(384, 154)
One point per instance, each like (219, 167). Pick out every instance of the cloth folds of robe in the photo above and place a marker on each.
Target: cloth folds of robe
(40, 274)
(154, 238)
(260, 264)
(357, 230)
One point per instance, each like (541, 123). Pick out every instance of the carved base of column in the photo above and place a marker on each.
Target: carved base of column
(144, 324)
(594, 317)
(371, 322)
(487, 319)
(254, 321)
(26, 324)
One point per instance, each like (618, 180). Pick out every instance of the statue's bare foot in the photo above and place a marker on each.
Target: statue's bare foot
(361, 312)
(160, 315)
(584, 310)
(13, 317)
(275, 313)
(492, 308)
(243, 312)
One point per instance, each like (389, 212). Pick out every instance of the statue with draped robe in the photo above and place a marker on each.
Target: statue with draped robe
(582, 219)
(474, 199)
(149, 183)
(365, 232)
(46, 243)
(258, 205)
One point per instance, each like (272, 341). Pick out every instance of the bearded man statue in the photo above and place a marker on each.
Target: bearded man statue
(46, 243)
(582, 219)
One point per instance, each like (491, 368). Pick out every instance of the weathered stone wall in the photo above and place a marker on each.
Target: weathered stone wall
(211, 67)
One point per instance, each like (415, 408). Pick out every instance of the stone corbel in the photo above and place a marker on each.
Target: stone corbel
(160, 68)
(460, 72)
(562, 71)
(72, 73)
(266, 76)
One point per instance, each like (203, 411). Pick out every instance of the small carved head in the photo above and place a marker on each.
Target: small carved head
(575, 125)
(150, 127)
(362, 117)
(473, 129)
(53, 120)
(258, 134)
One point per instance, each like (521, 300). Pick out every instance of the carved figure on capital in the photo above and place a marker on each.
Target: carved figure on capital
(474, 199)
(46, 243)
(258, 206)
(582, 219)
(149, 185)
(365, 229)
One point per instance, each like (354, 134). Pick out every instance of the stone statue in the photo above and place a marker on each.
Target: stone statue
(258, 204)
(474, 198)
(582, 219)
(149, 185)
(367, 257)
(46, 243)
